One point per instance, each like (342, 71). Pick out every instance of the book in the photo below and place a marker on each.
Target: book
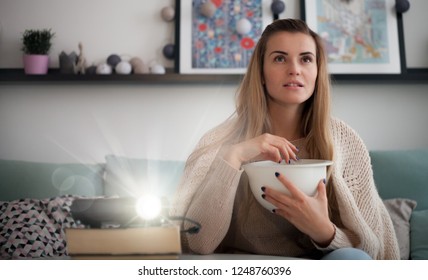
(125, 257)
(157, 240)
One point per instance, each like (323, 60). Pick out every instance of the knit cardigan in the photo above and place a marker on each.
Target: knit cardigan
(209, 184)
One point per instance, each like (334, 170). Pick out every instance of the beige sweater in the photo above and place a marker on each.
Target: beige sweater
(218, 196)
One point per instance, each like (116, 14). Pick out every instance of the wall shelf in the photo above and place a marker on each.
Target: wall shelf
(17, 76)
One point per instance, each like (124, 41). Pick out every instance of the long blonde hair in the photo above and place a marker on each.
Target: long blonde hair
(251, 115)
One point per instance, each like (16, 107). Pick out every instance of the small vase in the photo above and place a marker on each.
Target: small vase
(36, 64)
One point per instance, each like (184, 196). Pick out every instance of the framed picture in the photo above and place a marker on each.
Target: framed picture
(219, 36)
(361, 36)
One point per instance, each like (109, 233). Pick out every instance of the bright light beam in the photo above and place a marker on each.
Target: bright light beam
(148, 207)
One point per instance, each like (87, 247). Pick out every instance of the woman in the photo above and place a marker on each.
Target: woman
(283, 113)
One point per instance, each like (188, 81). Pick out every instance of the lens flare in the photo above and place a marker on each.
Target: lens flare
(148, 207)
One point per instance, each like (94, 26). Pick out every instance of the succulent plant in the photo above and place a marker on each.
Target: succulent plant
(37, 41)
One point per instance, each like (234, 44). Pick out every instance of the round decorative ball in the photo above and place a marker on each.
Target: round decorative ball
(138, 65)
(113, 60)
(243, 26)
(123, 67)
(157, 69)
(104, 69)
(208, 9)
(277, 7)
(168, 13)
(136, 61)
(168, 51)
(402, 6)
(140, 69)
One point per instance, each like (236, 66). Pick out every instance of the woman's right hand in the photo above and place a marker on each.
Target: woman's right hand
(263, 147)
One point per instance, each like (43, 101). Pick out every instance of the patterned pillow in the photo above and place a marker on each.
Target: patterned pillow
(34, 228)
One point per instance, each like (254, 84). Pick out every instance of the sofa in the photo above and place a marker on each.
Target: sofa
(35, 197)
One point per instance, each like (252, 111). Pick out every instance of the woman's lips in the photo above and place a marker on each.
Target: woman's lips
(293, 84)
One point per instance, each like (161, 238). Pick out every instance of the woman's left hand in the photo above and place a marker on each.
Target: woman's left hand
(306, 213)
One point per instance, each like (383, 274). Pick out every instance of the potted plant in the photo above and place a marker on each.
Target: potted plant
(36, 45)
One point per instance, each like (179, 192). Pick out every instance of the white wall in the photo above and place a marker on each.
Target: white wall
(385, 116)
(84, 122)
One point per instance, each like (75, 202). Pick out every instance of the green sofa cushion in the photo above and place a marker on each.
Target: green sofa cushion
(402, 174)
(24, 179)
(418, 235)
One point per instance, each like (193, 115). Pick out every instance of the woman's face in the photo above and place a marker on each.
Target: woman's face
(290, 68)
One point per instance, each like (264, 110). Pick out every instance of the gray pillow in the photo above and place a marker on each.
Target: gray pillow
(400, 210)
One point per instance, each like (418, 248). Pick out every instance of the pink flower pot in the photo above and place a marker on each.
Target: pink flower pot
(36, 64)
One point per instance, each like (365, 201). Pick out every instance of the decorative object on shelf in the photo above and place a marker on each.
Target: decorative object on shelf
(277, 7)
(104, 69)
(113, 60)
(67, 62)
(73, 63)
(169, 51)
(36, 45)
(123, 68)
(361, 37)
(168, 13)
(80, 66)
(91, 70)
(157, 68)
(402, 6)
(138, 66)
(219, 42)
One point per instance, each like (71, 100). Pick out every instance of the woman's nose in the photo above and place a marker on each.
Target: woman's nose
(293, 68)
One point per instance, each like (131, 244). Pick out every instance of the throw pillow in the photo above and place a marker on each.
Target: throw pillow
(400, 210)
(135, 177)
(34, 228)
(418, 234)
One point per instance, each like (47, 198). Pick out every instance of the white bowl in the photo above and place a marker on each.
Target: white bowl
(304, 173)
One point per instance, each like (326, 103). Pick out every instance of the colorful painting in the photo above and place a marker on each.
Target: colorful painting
(360, 36)
(216, 44)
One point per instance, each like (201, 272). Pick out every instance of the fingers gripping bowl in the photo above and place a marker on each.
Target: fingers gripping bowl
(305, 174)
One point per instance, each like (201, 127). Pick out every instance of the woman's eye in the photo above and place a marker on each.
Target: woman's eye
(307, 59)
(279, 58)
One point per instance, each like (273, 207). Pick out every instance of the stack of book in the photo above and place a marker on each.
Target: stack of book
(157, 242)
